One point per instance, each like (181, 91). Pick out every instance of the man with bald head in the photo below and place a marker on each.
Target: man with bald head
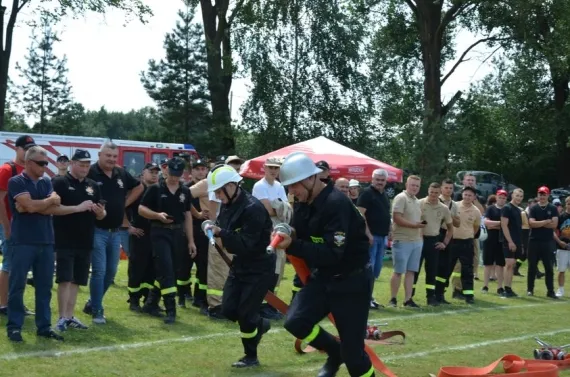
(342, 185)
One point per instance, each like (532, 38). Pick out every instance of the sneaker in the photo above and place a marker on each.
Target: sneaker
(75, 323)
(393, 302)
(530, 293)
(374, 304)
(552, 295)
(485, 290)
(87, 309)
(61, 325)
(246, 362)
(509, 293)
(470, 300)
(4, 310)
(99, 318)
(501, 292)
(540, 275)
(28, 311)
(15, 336)
(560, 292)
(50, 334)
(411, 304)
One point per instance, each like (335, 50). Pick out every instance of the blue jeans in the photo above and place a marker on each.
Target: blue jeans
(104, 263)
(377, 254)
(124, 235)
(40, 258)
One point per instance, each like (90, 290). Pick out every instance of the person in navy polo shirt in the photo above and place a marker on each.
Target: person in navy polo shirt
(32, 201)
(74, 232)
(119, 189)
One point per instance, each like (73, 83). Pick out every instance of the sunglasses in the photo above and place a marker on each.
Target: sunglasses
(41, 163)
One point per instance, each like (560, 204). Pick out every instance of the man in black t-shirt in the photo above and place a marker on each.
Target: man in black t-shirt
(511, 235)
(493, 258)
(141, 266)
(168, 207)
(543, 219)
(374, 205)
(74, 229)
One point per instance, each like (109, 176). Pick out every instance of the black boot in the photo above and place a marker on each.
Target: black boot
(326, 342)
(134, 301)
(151, 304)
(170, 305)
(144, 294)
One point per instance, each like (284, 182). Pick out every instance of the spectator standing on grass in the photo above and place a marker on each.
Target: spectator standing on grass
(511, 234)
(543, 219)
(119, 189)
(62, 164)
(74, 228)
(32, 201)
(563, 242)
(374, 205)
(493, 256)
(407, 240)
(7, 171)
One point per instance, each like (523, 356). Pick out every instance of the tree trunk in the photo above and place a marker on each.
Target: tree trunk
(219, 72)
(560, 83)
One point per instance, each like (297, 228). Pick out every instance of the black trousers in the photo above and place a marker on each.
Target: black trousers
(241, 301)
(540, 250)
(431, 256)
(463, 250)
(201, 262)
(141, 267)
(444, 267)
(171, 260)
(348, 299)
(297, 285)
(525, 245)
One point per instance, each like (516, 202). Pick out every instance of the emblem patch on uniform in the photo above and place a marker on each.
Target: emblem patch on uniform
(120, 183)
(182, 198)
(339, 238)
(89, 190)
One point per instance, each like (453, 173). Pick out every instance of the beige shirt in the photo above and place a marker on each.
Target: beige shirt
(470, 219)
(437, 216)
(525, 224)
(409, 207)
(454, 209)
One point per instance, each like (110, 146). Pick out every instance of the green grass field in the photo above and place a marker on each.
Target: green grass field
(137, 345)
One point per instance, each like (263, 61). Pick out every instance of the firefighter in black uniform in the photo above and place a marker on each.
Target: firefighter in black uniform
(168, 207)
(331, 238)
(141, 267)
(199, 172)
(244, 227)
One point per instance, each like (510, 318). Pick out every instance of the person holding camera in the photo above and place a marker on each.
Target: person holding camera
(168, 207)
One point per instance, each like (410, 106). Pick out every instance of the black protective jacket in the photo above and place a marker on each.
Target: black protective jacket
(245, 232)
(331, 234)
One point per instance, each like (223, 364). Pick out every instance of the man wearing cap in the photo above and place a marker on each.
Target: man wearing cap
(511, 236)
(200, 213)
(119, 189)
(141, 265)
(74, 228)
(543, 219)
(493, 256)
(342, 185)
(325, 173)
(235, 162)
(331, 238)
(62, 164)
(353, 190)
(163, 169)
(168, 207)
(271, 193)
(558, 204)
(7, 171)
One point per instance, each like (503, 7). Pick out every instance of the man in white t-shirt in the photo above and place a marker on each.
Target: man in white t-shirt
(270, 191)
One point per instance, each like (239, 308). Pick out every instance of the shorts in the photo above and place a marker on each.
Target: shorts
(562, 260)
(72, 266)
(406, 256)
(509, 254)
(493, 253)
(6, 256)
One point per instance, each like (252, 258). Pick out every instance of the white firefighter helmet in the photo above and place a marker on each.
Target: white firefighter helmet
(221, 176)
(296, 167)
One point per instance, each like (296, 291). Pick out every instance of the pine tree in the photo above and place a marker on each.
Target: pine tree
(45, 92)
(178, 83)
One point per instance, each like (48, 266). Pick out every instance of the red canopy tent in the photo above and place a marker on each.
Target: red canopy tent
(343, 161)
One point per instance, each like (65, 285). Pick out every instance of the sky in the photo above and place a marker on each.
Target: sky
(106, 55)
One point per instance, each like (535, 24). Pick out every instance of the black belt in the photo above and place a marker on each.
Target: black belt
(431, 237)
(466, 240)
(166, 226)
(356, 271)
(110, 230)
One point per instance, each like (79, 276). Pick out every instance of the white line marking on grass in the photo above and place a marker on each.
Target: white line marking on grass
(188, 339)
(461, 311)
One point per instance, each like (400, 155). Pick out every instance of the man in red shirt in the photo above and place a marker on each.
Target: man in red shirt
(7, 171)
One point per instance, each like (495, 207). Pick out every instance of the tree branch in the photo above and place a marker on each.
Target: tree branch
(24, 3)
(450, 15)
(462, 57)
(445, 109)
(235, 11)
